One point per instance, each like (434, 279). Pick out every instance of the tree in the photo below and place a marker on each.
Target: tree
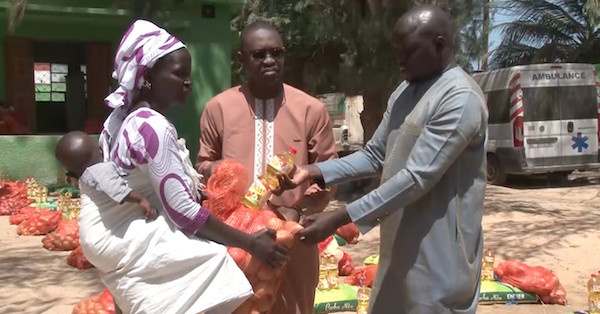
(345, 45)
(549, 31)
(332, 46)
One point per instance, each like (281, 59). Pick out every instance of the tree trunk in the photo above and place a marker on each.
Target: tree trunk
(485, 33)
(375, 103)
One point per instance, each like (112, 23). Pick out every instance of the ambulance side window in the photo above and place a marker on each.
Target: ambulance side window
(498, 106)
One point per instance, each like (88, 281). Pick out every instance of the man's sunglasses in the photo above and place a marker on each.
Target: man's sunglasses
(261, 54)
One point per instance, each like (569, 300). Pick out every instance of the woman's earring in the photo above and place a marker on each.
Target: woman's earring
(147, 85)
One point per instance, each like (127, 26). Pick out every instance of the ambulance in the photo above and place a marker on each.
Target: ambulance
(543, 119)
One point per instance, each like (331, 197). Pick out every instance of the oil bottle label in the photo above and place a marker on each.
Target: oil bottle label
(487, 274)
(256, 193)
(596, 288)
(488, 259)
(279, 165)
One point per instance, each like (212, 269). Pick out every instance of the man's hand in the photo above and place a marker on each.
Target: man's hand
(149, 211)
(298, 176)
(263, 246)
(319, 226)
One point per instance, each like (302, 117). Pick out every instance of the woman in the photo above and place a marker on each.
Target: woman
(168, 265)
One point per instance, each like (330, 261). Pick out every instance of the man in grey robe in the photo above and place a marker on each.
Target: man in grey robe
(430, 151)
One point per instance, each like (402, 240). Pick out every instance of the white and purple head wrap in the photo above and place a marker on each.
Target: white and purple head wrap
(143, 44)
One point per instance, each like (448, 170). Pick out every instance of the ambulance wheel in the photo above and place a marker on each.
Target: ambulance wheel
(495, 174)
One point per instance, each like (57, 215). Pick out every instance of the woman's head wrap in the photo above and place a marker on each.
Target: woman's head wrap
(143, 44)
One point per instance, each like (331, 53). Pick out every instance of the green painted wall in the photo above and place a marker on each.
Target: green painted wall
(209, 42)
(25, 156)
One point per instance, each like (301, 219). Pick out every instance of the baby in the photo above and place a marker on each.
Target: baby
(80, 155)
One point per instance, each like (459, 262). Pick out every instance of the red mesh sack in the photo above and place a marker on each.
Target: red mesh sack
(323, 244)
(345, 265)
(100, 304)
(78, 260)
(242, 220)
(226, 187)
(40, 224)
(13, 123)
(365, 274)
(349, 232)
(538, 280)
(24, 214)
(13, 197)
(64, 238)
(224, 190)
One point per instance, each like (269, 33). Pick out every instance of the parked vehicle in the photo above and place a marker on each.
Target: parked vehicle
(543, 118)
(345, 116)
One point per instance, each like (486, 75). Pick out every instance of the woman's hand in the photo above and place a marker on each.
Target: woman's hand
(262, 245)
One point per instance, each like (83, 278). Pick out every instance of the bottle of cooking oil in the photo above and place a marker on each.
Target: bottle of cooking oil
(332, 272)
(260, 190)
(282, 163)
(257, 194)
(487, 268)
(362, 297)
(593, 286)
(43, 194)
(31, 187)
(323, 284)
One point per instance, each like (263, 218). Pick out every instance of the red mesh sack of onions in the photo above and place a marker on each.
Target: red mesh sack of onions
(78, 260)
(100, 304)
(225, 190)
(64, 238)
(13, 197)
(40, 224)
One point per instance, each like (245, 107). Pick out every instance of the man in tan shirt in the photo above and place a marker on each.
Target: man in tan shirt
(263, 117)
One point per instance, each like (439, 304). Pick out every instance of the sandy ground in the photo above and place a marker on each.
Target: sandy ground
(555, 227)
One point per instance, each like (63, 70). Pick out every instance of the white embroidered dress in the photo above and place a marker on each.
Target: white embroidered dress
(153, 266)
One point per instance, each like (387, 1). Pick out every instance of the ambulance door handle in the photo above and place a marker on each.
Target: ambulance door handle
(570, 127)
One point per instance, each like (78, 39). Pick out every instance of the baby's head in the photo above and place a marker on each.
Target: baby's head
(76, 151)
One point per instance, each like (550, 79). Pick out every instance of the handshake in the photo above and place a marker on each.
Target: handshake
(317, 227)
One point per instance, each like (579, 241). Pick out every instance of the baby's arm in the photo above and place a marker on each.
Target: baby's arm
(110, 182)
(149, 210)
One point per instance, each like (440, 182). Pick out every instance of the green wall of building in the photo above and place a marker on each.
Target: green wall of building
(208, 39)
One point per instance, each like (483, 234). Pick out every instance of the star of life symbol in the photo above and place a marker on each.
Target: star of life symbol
(579, 142)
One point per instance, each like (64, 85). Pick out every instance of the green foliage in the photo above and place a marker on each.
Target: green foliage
(345, 45)
(549, 31)
(15, 14)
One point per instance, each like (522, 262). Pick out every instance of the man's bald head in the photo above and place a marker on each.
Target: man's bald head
(76, 151)
(424, 42)
(426, 20)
